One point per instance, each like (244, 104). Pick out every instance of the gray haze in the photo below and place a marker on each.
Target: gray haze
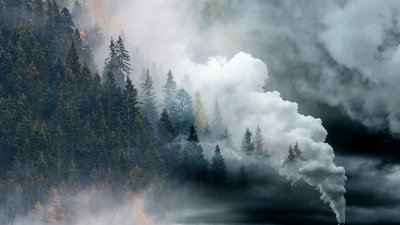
(342, 53)
(201, 43)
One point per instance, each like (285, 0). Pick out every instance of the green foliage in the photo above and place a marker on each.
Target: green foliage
(148, 98)
(64, 126)
(118, 62)
(294, 156)
(166, 130)
(193, 135)
(182, 111)
(259, 145)
(194, 165)
(218, 167)
(247, 142)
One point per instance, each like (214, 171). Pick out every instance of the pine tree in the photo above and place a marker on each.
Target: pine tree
(182, 112)
(112, 100)
(123, 57)
(218, 167)
(168, 150)
(66, 24)
(111, 63)
(193, 135)
(170, 89)
(130, 113)
(247, 143)
(148, 99)
(227, 138)
(166, 130)
(194, 164)
(217, 126)
(259, 142)
(294, 156)
(72, 61)
(118, 62)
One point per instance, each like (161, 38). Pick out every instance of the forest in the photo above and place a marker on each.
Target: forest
(66, 127)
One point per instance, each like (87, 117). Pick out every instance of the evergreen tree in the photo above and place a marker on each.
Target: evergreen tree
(217, 126)
(194, 164)
(112, 100)
(193, 135)
(259, 142)
(294, 156)
(72, 61)
(218, 167)
(227, 138)
(123, 57)
(166, 130)
(118, 62)
(168, 149)
(170, 89)
(111, 63)
(182, 112)
(148, 99)
(247, 143)
(130, 113)
(58, 28)
(66, 24)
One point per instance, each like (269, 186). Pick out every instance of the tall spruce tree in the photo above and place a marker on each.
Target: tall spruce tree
(170, 89)
(166, 130)
(112, 100)
(218, 167)
(182, 113)
(148, 99)
(118, 62)
(217, 126)
(247, 142)
(259, 142)
(294, 156)
(123, 57)
(194, 164)
(168, 149)
(193, 135)
(130, 113)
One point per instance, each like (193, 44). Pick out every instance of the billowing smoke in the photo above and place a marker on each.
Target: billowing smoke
(342, 53)
(237, 84)
(181, 35)
(365, 36)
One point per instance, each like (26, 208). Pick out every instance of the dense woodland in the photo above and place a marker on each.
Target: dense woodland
(65, 126)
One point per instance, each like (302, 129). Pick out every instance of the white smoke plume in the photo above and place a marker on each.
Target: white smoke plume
(171, 33)
(237, 84)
